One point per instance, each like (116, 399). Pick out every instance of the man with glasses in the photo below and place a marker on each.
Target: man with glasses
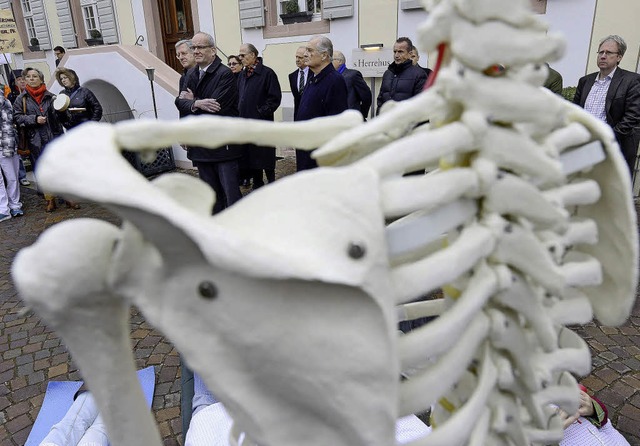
(613, 95)
(299, 79)
(211, 90)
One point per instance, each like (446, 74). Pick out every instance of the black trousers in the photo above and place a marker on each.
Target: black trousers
(223, 178)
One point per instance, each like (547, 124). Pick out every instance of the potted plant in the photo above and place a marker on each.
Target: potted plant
(95, 39)
(34, 44)
(291, 13)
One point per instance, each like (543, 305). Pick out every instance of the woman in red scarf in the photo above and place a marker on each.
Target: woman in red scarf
(33, 110)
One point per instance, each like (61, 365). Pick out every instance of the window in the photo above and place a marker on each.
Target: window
(90, 16)
(314, 6)
(27, 13)
(26, 7)
(31, 28)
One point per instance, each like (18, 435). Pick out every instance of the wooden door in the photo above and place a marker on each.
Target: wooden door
(177, 24)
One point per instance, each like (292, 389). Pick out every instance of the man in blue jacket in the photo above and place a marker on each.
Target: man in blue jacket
(324, 95)
(359, 93)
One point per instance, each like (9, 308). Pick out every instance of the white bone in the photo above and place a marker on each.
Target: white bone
(514, 265)
(412, 280)
(219, 131)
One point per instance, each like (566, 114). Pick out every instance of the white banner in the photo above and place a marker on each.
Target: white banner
(371, 63)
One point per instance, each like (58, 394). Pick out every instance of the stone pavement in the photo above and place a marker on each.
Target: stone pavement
(31, 355)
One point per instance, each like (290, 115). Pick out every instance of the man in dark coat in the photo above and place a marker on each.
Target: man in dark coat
(325, 95)
(185, 56)
(299, 79)
(212, 90)
(259, 97)
(415, 58)
(402, 80)
(359, 93)
(613, 95)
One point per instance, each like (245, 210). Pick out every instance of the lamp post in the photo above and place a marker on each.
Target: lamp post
(372, 47)
(151, 75)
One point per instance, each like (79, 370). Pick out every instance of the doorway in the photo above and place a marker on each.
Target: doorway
(177, 24)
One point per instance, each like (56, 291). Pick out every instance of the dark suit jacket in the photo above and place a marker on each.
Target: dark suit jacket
(293, 83)
(358, 92)
(259, 98)
(622, 108)
(217, 83)
(325, 95)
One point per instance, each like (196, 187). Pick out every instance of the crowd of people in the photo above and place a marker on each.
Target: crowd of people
(29, 121)
(321, 85)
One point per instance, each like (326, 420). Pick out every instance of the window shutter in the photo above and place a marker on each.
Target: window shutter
(40, 23)
(67, 29)
(251, 13)
(411, 4)
(335, 9)
(107, 20)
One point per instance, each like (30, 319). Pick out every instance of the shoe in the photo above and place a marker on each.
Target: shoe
(51, 205)
(72, 205)
(4, 217)
(25, 182)
(17, 212)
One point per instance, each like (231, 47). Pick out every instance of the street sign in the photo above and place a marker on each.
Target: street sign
(371, 63)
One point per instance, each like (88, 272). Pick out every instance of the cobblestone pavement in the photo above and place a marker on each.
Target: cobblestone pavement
(31, 355)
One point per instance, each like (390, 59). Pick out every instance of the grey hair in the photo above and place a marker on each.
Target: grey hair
(339, 56)
(622, 45)
(324, 45)
(210, 40)
(251, 48)
(187, 42)
(40, 73)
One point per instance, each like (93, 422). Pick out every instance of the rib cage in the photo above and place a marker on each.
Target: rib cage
(525, 220)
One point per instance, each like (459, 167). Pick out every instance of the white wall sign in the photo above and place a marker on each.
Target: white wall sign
(371, 63)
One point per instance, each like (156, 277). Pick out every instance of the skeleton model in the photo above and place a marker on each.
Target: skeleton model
(526, 223)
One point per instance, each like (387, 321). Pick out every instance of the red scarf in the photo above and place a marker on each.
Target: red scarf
(37, 93)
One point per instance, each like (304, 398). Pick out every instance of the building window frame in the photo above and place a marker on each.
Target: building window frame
(90, 18)
(274, 27)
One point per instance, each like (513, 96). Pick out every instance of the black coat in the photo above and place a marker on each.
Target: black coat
(259, 98)
(359, 93)
(293, 83)
(38, 135)
(80, 98)
(622, 107)
(401, 82)
(217, 83)
(325, 95)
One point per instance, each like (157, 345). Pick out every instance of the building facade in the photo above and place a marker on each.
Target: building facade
(136, 34)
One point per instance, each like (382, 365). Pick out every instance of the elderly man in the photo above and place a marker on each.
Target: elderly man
(402, 80)
(259, 97)
(359, 93)
(613, 95)
(415, 58)
(299, 79)
(211, 90)
(326, 93)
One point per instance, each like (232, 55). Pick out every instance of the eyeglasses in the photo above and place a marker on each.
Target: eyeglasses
(233, 64)
(200, 47)
(606, 53)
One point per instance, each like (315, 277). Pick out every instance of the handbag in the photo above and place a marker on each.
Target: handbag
(23, 141)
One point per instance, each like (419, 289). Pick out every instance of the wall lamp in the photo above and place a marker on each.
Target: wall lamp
(372, 46)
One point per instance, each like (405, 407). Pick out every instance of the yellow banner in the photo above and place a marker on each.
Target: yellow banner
(9, 38)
